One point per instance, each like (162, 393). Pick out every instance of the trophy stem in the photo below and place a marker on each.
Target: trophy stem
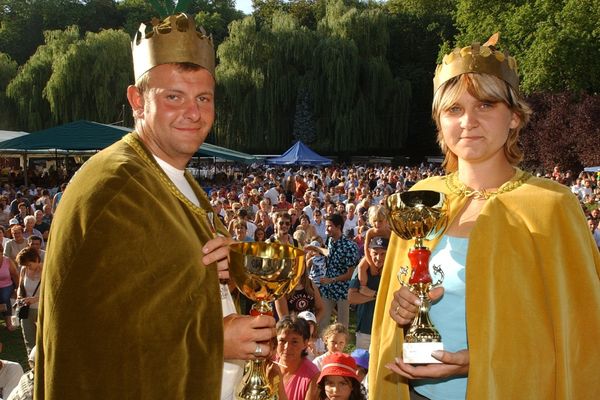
(255, 385)
(261, 307)
(422, 330)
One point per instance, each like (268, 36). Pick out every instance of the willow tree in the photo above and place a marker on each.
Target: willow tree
(90, 78)
(266, 70)
(259, 74)
(8, 70)
(362, 106)
(26, 89)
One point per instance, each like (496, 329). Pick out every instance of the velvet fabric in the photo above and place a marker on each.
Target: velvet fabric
(128, 310)
(532, 299)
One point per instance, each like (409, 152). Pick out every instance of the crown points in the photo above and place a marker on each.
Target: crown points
(476, 59)
(172, 40)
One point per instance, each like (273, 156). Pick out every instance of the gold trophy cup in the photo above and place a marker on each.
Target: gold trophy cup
(419, 215)
(263, 272)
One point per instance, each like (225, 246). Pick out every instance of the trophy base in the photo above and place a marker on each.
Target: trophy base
(420, 353)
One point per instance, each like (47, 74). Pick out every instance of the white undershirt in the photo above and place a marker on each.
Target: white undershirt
(232, 370)
(178, 178)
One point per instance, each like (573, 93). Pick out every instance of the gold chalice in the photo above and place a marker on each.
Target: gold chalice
(263, 272)
(419, 215)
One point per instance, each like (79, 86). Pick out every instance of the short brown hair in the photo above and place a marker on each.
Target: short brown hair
(27, 255)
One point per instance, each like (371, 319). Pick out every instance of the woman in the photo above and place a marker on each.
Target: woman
(29, 291)
(8, 278)
(299, 373)
(306, 226)
(521, 269)
(259, 235)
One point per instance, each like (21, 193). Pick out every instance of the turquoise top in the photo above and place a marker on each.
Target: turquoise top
(448, 315)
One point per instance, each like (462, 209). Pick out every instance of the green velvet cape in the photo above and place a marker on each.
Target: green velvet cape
(128, 310)
(532, 299)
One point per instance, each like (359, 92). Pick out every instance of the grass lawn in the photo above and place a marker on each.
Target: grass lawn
(13, 347)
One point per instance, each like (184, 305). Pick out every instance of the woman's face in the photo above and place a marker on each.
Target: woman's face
(338, 387)
(290, 345)
(476, 130)
(260, 234)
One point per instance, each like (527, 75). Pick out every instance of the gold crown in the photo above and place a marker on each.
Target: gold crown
(172, 40)
(482, 59)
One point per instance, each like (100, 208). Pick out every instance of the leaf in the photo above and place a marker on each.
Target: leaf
(182, 6)
(164, 8)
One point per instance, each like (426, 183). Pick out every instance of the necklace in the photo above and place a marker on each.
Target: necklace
(459, 188)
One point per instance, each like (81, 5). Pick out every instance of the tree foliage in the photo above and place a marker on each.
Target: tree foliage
(26, 89)
(90, 79)
(8, 70)
(564, 130)
(266, 71)
(555, 42)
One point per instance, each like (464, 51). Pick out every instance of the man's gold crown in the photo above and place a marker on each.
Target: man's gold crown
(482, 59)
(172, 40)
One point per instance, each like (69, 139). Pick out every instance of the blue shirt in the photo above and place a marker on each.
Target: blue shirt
(343, 255)
(448, 315)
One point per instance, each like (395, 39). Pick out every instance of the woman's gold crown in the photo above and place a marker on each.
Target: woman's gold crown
(172, 40)
(482, 59)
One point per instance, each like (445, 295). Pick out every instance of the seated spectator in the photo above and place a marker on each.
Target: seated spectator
(10, 375)
(16, 244)
(24, 389)
(29, 228)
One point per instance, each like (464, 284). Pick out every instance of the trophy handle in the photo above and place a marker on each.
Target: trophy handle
(438, 271)
(402, 274)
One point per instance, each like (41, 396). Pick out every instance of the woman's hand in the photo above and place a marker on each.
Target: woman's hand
(453, 364)
(405, 305)
(30, 300)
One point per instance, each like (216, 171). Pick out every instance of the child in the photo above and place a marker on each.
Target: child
(316, 262)
(379, 228)
(338, 379)
(335, 337)
(361, 357)
(316, 347)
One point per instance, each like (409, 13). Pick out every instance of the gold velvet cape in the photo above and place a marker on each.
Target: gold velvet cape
(532, 299)
(128, 310)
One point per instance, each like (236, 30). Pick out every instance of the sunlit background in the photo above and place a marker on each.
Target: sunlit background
(244, 5)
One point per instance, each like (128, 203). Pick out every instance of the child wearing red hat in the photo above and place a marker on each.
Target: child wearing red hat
(338, 379)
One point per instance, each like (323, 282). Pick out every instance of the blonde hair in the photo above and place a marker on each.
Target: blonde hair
(377, 213)
(482, 87)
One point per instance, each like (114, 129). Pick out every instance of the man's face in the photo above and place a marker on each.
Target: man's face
(378, 257)
(282, 225)
(36, 244)
(332, 230)
(175, 113)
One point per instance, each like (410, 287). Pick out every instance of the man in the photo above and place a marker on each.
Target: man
(131, 309)
(283, 221)
(42, 226)
(342, 256)
(35, 242)
(16, 244)
(366, 299)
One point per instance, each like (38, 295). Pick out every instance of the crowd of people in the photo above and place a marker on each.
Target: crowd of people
(336, 214)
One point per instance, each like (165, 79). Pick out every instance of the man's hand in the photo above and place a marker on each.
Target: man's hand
(217, 250)
(453, 364)
(244, 335)
(405, 305)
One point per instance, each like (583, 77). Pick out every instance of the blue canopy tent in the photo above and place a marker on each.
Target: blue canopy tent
(299, 154)
(592, 169)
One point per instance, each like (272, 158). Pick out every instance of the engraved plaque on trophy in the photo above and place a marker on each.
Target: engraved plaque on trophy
(419, 215)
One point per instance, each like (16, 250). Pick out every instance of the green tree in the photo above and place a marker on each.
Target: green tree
(8, 70)
(90, 79)
(27, 88)
(555, 42)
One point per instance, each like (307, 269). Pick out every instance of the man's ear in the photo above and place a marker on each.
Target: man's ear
(136, 101)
